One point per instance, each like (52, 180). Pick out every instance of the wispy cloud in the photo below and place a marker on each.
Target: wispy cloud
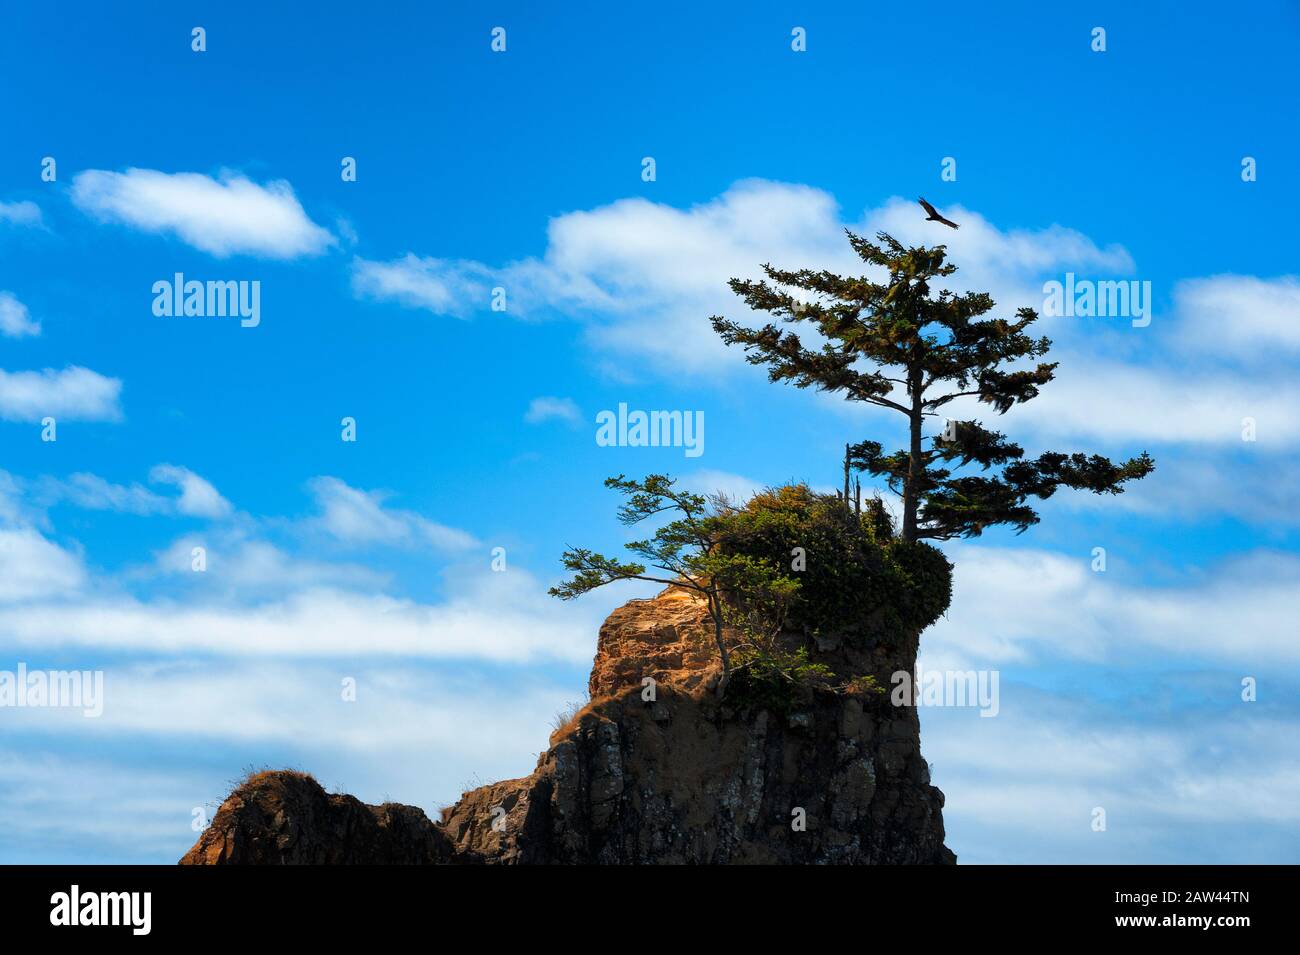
(24, 213)
(287, 713)
(354, 516)
(75, 394)
(503, 617)
(15, 320)
(145, 809)
(441, 286)
(547, 408)
(645, 276)
(239, 566)
(1240, 316)
(1114, 401)
(32, 567)
(1023, 787)
(198, 497)
(254, 598)
(1238, 610)
(94, 493)
(225, 216)
(735, 486)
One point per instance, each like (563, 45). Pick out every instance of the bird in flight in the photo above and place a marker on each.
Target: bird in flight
(934, 214)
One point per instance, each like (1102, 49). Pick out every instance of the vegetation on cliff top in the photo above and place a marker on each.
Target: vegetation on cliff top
(688, 552)
(855, 578)
(790, 560)
(900, 345)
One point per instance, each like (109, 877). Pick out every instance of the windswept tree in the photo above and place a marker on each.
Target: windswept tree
(738, 589)
(899, 344)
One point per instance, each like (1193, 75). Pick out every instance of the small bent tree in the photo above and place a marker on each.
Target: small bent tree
(738, 589)
(896, 344)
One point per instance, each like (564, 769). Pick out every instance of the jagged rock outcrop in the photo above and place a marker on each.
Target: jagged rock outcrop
(286, 818)
(836, 777)
(668, 639)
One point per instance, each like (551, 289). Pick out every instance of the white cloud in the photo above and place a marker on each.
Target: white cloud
(1144, 669)
(15, 320)
(441, 286)
(553, 409)
(739, 487)
(1238, 611)
(1127, 403)
(23, 213)
(1239, 315)
(636, 253)
(255, 599)
(198, 497)
(223, 217)
(1021, 787)
(735, 486)
(1114, 401)
(355, 516)
(502, 617)
(32, 567)
(415, 734)
(402, 709)
(74, 394)
(94, 493)
(1254, 488)
(239, 567)
(646, 276)
(980, 249)
(77, 810)
(13, 509)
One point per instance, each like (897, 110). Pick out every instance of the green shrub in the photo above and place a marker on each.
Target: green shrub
(865, 685)
(856, 583)
(927, 577)
(773, 679)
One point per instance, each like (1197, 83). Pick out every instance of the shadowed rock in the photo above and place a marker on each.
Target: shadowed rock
(286, 818)
(681, 778)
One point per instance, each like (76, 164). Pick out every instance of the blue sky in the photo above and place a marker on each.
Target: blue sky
(475, 429)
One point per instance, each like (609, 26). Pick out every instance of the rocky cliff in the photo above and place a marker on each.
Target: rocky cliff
(286, 818)
(654, 770)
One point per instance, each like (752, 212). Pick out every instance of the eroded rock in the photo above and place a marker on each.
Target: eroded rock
(680, 778)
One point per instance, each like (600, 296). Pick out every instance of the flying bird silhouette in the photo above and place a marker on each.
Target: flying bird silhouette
(934, 214)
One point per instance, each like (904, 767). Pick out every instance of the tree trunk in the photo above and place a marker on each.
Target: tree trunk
(715, 611)
(846, 477)
(911, 499)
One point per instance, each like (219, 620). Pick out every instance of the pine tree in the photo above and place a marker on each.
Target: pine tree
(897, 344)
(738, 589)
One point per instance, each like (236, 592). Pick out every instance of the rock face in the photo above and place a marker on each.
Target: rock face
(668, 639)
(678, 778)
(286, 818)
